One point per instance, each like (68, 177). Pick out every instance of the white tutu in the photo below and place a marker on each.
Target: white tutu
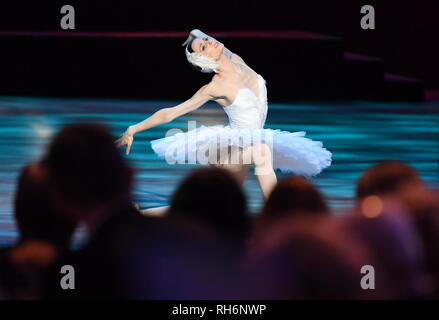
(291, 151)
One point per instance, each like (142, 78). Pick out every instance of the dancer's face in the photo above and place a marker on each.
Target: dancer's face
(208, 47)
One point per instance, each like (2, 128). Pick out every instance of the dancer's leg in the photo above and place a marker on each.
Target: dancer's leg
(239, 171)
(260, 155)
(234, 164)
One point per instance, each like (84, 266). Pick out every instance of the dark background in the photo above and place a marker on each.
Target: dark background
(406, 34)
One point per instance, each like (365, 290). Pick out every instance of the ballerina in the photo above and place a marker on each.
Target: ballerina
(243, 95)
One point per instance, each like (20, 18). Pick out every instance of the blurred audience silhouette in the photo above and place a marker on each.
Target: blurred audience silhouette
(213, 197)
(45, 237)
(291, 197)
(208, 246)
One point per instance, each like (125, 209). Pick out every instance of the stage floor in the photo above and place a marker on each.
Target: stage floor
(357, 133)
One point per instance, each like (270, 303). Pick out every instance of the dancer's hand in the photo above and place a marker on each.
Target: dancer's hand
(126, 139)
(189, 39)
(195, 33)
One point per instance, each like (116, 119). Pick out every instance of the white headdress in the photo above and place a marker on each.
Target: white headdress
(206, 64)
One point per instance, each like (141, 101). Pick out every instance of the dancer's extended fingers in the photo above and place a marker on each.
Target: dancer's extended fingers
(191, 36)
(129, 147)
(119, 142)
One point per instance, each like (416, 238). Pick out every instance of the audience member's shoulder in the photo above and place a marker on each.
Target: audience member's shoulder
(127, 218)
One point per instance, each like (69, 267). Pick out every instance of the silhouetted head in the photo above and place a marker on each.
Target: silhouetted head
(213, 196)
(423, 206)
(36, 219)
(401, 183)
(384, 226)
(86, 169)
(292, 196)
(387, 177)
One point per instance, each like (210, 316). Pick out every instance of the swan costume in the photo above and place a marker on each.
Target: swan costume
(291, 151)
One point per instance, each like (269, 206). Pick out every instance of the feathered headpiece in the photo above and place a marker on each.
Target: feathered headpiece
(206, 64)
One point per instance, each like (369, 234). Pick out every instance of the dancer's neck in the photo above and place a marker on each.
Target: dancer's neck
(225, 66)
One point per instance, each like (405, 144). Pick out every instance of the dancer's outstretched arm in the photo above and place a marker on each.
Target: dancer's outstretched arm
(165, 115)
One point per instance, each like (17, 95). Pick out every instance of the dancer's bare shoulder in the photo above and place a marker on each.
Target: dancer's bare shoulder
(221, 90)
(224, 90)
